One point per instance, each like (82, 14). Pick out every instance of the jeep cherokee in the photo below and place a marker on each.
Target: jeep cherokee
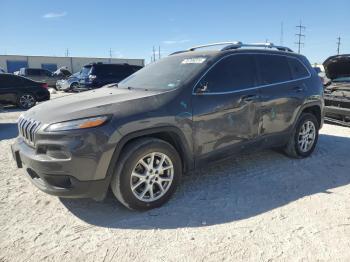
(186, 110)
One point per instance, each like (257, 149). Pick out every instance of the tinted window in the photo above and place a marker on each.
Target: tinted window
(33, 72)
(115, 71)
(232, 73)
(297, 68)
(7, 81)
(273, 69)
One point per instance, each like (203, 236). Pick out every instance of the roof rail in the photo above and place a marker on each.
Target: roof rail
(236, 45)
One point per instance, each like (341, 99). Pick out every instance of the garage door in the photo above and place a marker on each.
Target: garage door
(13, 66)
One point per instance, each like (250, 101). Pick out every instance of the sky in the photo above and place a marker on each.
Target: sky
(130, 29)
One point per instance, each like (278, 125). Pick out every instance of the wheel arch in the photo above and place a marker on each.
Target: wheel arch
(312, 108)
(172, 135)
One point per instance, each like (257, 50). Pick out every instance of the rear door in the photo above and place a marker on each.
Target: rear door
(225, 107)
(282, 94)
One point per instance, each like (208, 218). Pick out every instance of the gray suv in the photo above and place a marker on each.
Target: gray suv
(187, 110)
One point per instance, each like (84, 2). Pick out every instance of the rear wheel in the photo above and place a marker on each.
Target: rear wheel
(147, 174)
(304, 138)
(26, 101)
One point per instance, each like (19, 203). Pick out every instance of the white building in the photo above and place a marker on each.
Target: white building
(12, 63)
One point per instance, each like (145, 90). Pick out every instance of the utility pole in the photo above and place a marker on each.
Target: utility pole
(282, 35)
(154, 54)
(110, 53)
(67, 52)
(338, 45)
(300, 35)
(159, 52)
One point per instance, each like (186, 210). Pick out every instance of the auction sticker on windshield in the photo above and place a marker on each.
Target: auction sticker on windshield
(194, 60)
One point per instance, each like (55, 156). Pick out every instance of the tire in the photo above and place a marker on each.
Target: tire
(296, 148)
(146, 178)
(26, 100)
(72, 87)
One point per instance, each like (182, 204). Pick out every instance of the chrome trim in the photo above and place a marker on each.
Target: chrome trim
(249, 88)
(27, 129)
(238, 44)
(214, 44)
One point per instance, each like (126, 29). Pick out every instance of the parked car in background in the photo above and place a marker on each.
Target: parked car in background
(20, 91)
(69, 84)
(98, 74)
(179, 113)
(321, 73)
(43, 75)
(337, 93)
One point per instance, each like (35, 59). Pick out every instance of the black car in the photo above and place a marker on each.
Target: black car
(337, 92)
(98, 74)
(21, 91)
(179, 113)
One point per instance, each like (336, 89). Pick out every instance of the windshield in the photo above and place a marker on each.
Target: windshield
(85, 71)
(341, 79)
(165, 74)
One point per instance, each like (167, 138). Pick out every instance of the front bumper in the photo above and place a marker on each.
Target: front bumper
(63, 174)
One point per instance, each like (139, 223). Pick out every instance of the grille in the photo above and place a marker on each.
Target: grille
(27, 129)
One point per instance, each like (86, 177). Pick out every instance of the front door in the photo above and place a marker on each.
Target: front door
(225, 107)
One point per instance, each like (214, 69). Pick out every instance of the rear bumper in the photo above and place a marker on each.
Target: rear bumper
(59, 177)
(43, 97)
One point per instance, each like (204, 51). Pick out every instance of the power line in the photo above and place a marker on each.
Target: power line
(300, 35)
(338, 45)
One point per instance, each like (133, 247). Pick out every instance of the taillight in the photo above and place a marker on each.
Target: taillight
(44, 85)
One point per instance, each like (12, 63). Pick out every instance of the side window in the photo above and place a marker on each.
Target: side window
(231, 73)
(298, 70)
(33, 72)
(273, 69)
(46, 73)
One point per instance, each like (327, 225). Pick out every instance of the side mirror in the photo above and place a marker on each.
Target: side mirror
(202, 88)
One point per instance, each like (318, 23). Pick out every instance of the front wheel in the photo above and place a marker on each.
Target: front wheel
(147, 174)
(26, 101)
(304, 138)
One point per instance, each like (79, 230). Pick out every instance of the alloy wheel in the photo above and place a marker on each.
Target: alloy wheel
(27, 101)
(152, 176)
(306, 137)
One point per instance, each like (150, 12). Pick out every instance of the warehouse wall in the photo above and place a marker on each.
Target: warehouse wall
(73, 64)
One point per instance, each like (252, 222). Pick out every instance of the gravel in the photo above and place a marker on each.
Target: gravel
(262, 206)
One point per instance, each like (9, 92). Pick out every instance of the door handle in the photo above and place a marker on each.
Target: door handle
(249, 98)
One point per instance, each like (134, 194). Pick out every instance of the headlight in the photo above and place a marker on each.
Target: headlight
(77, 124)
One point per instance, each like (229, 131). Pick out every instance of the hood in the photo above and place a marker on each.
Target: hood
(91, 103)
(337, 66)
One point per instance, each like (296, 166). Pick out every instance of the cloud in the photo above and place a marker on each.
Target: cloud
(172, 42)
(54, 15)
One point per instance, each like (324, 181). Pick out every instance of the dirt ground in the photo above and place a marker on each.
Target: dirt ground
(258, 207)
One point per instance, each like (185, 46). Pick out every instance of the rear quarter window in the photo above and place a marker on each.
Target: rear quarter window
(273, 69)
(297, 68)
